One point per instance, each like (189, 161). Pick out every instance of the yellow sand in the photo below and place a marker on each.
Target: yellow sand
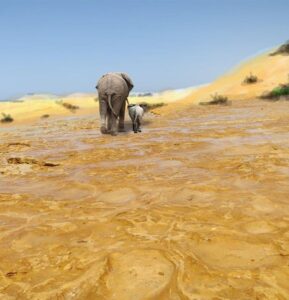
(194, 207)
(34, 107)
(270, 70)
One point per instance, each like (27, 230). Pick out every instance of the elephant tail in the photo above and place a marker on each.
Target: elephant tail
(109, 104)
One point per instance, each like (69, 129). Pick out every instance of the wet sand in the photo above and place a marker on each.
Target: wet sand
(195, 207)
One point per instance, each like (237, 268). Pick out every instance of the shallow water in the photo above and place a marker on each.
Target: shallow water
(195, 207)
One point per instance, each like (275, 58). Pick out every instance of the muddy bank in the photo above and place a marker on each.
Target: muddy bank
(195, 207)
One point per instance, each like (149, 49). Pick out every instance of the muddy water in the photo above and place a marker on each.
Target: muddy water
(195, 207)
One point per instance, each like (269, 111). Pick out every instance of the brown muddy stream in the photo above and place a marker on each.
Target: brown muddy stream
(194, 207)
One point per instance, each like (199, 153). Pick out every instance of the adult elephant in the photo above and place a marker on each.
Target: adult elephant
(113, 90)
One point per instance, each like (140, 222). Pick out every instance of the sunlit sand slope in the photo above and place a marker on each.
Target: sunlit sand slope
(270, 70)
(32, 108)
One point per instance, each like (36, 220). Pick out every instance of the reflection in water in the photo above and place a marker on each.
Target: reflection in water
(195, 207)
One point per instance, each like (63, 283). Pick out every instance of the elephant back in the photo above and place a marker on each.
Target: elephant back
(127, 80)
(118, 82)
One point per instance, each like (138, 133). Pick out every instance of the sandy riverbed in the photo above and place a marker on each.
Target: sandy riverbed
(194, 207)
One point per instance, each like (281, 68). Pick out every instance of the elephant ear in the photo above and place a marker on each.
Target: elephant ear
(127, 80)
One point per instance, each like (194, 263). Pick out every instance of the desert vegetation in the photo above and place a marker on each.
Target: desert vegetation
(216, 99)
(281, 91)
(45, 116)
(250, 79)
(283, 49)
(68, 106)
(146, 94)
(151, 106)
(6, 118)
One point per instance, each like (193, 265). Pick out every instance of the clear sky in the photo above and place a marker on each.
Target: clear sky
(63, 46)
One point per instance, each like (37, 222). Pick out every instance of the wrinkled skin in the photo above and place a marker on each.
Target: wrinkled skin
(113, 90)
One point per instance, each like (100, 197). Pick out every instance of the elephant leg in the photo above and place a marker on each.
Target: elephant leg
(138, 125)
(109, 121)
(121, 118)
(113, 119)
(103, 116)
(135, 126)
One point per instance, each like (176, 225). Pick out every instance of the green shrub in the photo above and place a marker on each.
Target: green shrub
(277, 92)
(6, 118)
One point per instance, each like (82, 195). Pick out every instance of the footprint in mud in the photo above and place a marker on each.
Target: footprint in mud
(263, 205)
(259, 227)
(169, 163)
(227, 253)
(140, 272)
(118, 196)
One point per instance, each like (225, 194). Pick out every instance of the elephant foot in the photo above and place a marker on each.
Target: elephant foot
(121, 129)
(139, 130)
(103, 130)
(113, 133)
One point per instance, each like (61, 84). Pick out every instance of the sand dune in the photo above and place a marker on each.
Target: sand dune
(30, 108)
(270, 70)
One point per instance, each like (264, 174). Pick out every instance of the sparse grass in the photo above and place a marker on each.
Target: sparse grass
(283, 49)
(280, 91)
(151, 106)
(45, 116)
(68, 106)
(216, 100)
(250, 79)
(6, 118)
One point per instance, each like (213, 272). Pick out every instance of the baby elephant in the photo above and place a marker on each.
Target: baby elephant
(136, 113)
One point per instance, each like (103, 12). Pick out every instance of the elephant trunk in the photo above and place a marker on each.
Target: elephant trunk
(110, 106)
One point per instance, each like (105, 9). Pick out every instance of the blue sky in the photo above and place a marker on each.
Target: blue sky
(63, 46)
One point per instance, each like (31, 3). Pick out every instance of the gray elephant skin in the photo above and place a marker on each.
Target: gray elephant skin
(113, 90)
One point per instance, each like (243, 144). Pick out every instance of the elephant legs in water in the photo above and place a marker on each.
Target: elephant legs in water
(108, 120)
(113, 120)
(121, 118)
(118, 111)
(103, 108)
